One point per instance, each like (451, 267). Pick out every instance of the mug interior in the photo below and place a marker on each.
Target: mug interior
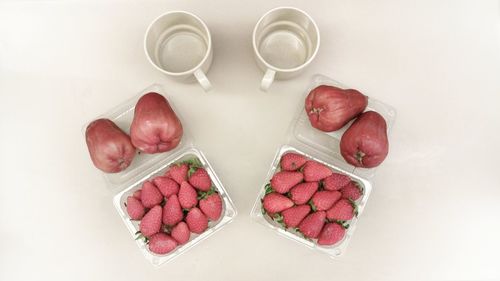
(177, 42)
(286, 39)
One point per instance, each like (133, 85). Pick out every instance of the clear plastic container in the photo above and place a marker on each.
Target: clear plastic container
(323, 147)
(147, 166)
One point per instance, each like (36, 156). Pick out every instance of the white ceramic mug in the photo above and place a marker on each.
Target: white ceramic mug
(179, 44)
(285, 40)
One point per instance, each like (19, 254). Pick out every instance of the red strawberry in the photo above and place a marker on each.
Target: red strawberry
(275, 203)
(212, 206)
(324, 200)
(161, 243)
(196, 221)
(178, 172)
(200, 180)
(351, 191)
(166, 186)
(180, 233)
(137, 194)
(343, 210)
(302, 192)
(151, 222)
(311, 226)
(172, 211)
(293, 216)
(336, 181)
(315, 171)
(134, 208)
(283, 181)
(331, 234)
(187, 195)
(150, 195)
(292, 161)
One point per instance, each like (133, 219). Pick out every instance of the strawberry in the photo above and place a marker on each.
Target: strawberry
(166, 186)
(172, 211)
(343, 210)
(137, 194)
(151, 222)
(331, 234)
(150, 195)
(275, 203)
(134, 208)
(292, 161)
(178, 172)
(187, 195)
(161, 243)
(293, 216)
(315, 171)
(196, 221)
(211, 206)
(283, 181)
(200, 180)
(351, 191)
(302, 192)
(324, 200)
(336, 181)
(180, 233)
(312, 224)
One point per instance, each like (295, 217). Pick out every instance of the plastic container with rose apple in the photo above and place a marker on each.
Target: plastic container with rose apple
(322, 147)
(147, 166)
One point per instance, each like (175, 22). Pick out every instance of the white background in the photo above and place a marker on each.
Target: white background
(434, 213)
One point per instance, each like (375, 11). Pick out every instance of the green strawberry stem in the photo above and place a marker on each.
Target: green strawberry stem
(303, 236)
(269, 188)
(355, 206)
(358, 185)
(205, 194)
(141, 236)
(278, 217)
(191, 171)
(193, 162)
(344, 224)
(313, 207)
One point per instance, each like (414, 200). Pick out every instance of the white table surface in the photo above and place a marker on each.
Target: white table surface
(434, 213)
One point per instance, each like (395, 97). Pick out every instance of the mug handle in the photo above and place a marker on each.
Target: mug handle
(267, 80)
(203, 80)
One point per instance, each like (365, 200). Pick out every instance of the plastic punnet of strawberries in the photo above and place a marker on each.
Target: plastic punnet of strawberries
(172, 206)
(308, 198)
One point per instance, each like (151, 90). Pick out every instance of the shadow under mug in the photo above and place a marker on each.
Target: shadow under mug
(285, 40)
(179, 44)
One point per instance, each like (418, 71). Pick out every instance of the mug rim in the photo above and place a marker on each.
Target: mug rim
(200, 64)
(277, 69)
